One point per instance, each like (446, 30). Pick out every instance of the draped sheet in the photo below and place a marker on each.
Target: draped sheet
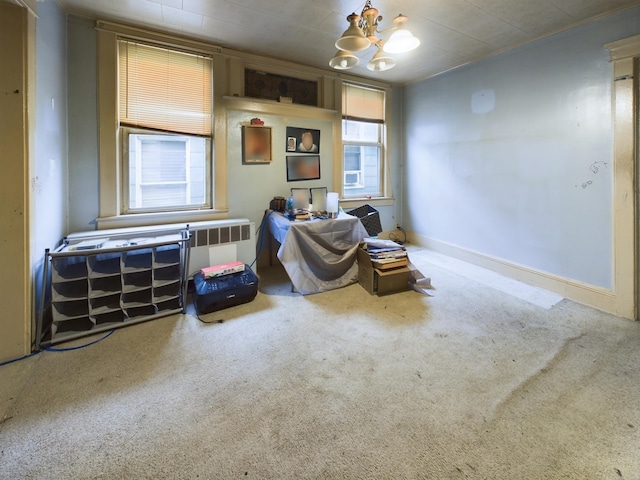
(318, 255)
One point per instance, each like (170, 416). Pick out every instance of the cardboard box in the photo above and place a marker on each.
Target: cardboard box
(391, 264)
(381, 282)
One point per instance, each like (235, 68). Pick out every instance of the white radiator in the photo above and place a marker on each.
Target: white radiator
(212, 242)
(221, 241)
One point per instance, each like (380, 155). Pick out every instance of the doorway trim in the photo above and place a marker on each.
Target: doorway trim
(624, 57)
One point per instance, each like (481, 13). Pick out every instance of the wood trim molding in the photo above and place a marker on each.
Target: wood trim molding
(624, 54)
(625, 48)
(109, 161)
(258, 105)
(591, 295)
(17, 133)
(160, 218)
(110, 171)
(30, 5)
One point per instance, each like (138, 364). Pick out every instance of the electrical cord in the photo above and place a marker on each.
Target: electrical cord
(21, 358)
(195, 307)
(53, 349)
(197, 315)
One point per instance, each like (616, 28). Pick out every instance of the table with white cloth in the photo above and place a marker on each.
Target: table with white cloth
(319, 254)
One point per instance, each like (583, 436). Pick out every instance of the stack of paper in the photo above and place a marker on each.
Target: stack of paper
(386, 254)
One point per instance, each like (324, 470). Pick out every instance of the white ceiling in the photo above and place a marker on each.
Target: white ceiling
(452, 32)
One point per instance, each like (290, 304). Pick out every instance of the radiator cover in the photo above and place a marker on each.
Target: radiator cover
(215, 241)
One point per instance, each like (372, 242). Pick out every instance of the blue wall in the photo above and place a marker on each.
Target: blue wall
(49, 174)
(83, 124)
(511, 157)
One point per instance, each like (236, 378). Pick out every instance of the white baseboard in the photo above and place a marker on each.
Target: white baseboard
(591, 295)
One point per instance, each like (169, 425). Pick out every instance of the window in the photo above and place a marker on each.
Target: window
(362, 139)
(165, 128)
(166, 170)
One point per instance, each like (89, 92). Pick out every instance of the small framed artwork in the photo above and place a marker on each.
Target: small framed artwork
(256, 144)
(306, 140)
(303, 167)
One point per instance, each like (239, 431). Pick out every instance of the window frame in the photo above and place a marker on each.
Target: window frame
(363, 143)
(384, 177)
(111, 170)
(358, 183)
(125, 133)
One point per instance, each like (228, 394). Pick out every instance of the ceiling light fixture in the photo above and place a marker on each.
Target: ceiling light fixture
(361, 34)
(344, 60)
(381, 61)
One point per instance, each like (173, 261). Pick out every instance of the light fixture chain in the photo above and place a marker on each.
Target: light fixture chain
(369, 19)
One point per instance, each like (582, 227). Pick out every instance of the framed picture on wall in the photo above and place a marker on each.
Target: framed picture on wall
(256, 144)
(303, 140)
(303, 167)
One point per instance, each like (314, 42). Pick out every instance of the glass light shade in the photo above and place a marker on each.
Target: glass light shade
(401, 41)
(344, 60)
(381, 62)
(353, 38)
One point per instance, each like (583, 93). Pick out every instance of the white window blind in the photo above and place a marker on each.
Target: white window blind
(165, 90)
(362, 104)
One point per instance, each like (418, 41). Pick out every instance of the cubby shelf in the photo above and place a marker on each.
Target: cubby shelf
(119, 284)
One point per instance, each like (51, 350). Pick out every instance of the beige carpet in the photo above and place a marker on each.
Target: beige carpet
(471, 383)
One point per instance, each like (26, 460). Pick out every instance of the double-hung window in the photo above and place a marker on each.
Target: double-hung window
(363, 123)
(165, 128)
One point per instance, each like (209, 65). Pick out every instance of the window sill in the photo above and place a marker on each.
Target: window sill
(374, 202)
(160, 218)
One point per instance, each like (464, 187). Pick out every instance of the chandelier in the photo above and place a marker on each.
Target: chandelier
(361, 35)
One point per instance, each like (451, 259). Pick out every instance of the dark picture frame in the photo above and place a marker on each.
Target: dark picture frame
(256, 144)
(307, 140)
(271, 86)
(303, 167)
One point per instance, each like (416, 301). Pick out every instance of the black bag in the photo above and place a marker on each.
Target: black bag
(226, 291)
